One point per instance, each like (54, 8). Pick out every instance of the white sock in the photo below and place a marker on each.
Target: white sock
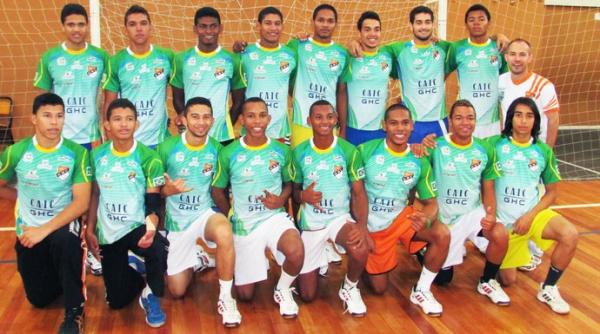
(348, 283)
(285, 280)
(146, 291)
(425, 280)
(225, 289)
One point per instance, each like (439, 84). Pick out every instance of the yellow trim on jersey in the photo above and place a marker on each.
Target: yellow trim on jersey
(192, 147)
(479, 44)
(325, 45)
(516, 143)
(370, 54)
(264, 48)
(74, 52)
(451, 142)
(44, 149)
(254, 148)
(325, 150)
(123, 154)
(140, 56)
(394, 153)
(421, 46)
(207, 54)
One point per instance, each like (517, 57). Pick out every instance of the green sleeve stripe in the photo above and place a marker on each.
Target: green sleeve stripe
(554, 171)
(428, 182)
(83, 172)
(149, 178)
(218, 175)
(5, 167)
(41, 74)
(354, 175)
(108, 74)
(174, 62)
(241, 73)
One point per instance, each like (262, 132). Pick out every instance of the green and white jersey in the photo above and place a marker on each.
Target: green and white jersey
(521, 167)
(195, 165)
(320, 67)
(459, 171)
(122, 179)
(143, 79)
(267, 73)
(45, 178)
(367, 81)
(333, 170)
(422, 70)
(211, 75)
(250, 171)
(478, 67)
(75, 76)
(390, 176)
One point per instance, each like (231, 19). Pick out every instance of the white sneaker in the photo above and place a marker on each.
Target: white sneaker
(205, 260)
(332, 255)
(549, 294)
(494, 292)
(228, 309)
(533, 264)
(287, 305)
(93, 263)
(427, 302)
(352, 301)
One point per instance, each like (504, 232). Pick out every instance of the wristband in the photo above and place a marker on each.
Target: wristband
(149, 225)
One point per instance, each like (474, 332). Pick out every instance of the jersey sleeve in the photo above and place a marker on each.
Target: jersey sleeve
(451, 58)
(221, 178)
(111, 82)
(83, 170)
(8, 162)
(298, 174)
(153, 169)
(549, 98)
(550, 174)
(42, 79)
(347, 73)
(236, 81)
(288, 168)
(354, 162)
(177, 76)
(490, 171)
(424, 186)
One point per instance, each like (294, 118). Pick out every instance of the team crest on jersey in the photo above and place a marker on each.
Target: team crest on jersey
(307, 160)
(475, 165)
(274, 166)
(208, 169)
(62, 172)
(493, 59)
(61, 61)
(28, 157)
(533, 165)
(92, 71)
(436, 55)
(159, 73)
(284, 66)
(219, 73)
(44, 165)
(334, 64)
(408, 177)
(384, 66)
(338, 171)
(131, 176)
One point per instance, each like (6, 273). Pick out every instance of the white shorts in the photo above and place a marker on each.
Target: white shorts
(251, 264)
(467, 227)
(315, 241)
(182, 244)
(487, 130)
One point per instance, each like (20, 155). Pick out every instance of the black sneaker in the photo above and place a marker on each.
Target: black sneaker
(73, 322)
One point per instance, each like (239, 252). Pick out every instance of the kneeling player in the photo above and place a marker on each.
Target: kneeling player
(329, 173)
(464, 170)
(123, 214)
(393, 174)
(53, 190)
(190, 159)
(260, 172)
(524, 160)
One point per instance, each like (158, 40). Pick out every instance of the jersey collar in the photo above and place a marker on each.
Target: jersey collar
(123, 154)
(462, 147)
(517, 144)
(74, 52)
(518, 82)
(46, 149)
(479, 44)
(142, 55)
(321, 44)
(394, 153)
(420, 46)
(323, 151)
(190, 146)
(254, 148)
(267, 49)
(207, 54)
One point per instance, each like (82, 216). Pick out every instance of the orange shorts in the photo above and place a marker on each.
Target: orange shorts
(385, 257)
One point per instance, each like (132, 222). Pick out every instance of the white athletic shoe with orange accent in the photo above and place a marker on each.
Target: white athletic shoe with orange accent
(427, 302)
(494, 292)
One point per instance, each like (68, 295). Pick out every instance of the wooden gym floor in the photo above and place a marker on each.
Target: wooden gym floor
(464, 309)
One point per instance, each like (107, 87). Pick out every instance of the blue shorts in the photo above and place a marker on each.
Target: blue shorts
(357, 137)
(422, 129)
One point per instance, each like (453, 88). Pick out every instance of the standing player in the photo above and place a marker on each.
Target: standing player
(190, 160)
(320, 65)
(53, 190)
(207, 70)
(328, 185)
(73, 70)
(123, 214)
(366, 81)
(260, 173)
(524, 160)
(393, 175)
(267, 67)
(520, 81)
(140, 73)
(464, 170)
(479, 63)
